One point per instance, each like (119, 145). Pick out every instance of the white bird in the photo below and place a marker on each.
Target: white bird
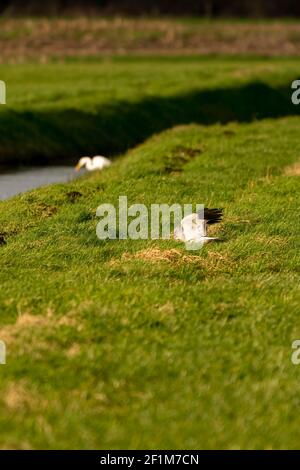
(193, 228)
(96, 163)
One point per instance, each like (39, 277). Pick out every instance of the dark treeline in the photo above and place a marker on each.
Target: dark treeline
(209, 8)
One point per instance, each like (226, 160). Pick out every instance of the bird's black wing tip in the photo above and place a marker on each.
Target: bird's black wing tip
(213, 216)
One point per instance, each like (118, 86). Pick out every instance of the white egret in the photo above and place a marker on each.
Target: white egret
(91, 164)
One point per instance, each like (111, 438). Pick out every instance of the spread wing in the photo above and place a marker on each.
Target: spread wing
(212, 216)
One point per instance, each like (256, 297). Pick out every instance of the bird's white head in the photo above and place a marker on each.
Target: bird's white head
(84, 161)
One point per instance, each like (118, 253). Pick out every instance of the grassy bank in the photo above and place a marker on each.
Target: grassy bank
(57, 112)
(141, 344)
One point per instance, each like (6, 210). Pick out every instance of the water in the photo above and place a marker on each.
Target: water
(18, 181)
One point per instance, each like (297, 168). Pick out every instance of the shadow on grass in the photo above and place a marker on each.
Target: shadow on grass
(63, 135)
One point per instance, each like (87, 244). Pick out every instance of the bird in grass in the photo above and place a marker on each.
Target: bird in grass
(193, 228)
(91, 164)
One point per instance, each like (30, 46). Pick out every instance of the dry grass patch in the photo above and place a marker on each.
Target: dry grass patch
(292, 170)
(24, 323)
(20, 446)
(167, 308)
(18, 396)
(212, 261)
(42, 38)
(277, 240)
(157, 255)
(28, 326)
(73, 351)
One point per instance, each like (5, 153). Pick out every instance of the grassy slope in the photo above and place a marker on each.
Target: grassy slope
(113, 350)
(61, 111)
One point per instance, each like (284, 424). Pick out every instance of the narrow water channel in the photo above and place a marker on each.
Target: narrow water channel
(14, 182)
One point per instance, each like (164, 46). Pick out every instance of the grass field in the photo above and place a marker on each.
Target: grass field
(141, 344)
(43, 39)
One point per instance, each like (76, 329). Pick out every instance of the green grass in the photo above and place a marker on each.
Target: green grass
(110, 347)
(58, 112)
